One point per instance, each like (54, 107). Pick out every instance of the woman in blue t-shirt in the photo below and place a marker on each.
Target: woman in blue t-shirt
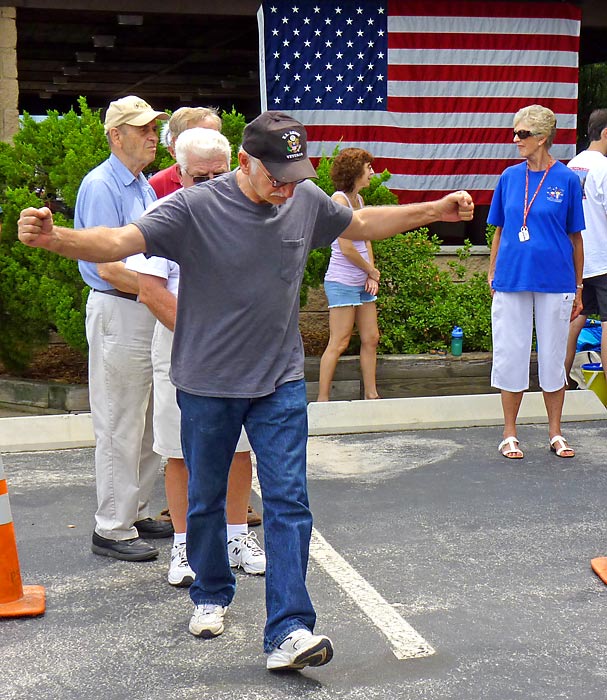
(535, 269)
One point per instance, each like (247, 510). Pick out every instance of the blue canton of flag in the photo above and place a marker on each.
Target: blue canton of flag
(321, 55)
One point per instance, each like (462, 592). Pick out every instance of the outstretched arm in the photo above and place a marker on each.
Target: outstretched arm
(99, 244)
(376, 223)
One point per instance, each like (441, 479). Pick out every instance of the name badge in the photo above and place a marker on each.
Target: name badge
(523, 234)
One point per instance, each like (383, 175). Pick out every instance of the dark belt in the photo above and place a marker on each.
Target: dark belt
(117, 293)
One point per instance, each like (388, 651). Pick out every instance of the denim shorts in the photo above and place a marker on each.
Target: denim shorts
(339, 294)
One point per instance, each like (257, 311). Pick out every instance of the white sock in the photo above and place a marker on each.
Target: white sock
(178, 538)
(236, 530)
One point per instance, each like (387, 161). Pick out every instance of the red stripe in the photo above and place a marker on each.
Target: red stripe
(480, 197)
(465, 166)
(449, 105)
(473, 8)
(483, 42)
(399, 135)
(3, 487)
(484, 73)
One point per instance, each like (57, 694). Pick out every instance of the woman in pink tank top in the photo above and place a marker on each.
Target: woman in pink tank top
(351, 281)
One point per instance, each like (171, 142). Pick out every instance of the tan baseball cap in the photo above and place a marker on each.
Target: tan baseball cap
(130, 110)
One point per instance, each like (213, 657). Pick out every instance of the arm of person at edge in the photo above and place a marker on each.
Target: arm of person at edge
(118, 276)
(155, 295)
(377, 223)
(578, 264)
(98, 244)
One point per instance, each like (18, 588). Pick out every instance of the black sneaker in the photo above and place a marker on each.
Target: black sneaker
(154, 529)
(128, 550)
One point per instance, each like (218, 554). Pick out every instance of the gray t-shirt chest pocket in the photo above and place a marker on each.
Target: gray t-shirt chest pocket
(292, 258)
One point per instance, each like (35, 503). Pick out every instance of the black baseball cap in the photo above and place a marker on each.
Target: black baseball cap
(280, 143)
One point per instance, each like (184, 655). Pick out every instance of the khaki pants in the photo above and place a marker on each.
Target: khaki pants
(119, 333)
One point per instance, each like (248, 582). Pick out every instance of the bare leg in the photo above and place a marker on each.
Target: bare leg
(176, 488)
(239, 488)
(341, 323)
(511, 402)
(366, 322)
(554, 408)
(574, 330)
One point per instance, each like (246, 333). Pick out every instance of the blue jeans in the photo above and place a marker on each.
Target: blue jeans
(277, 427)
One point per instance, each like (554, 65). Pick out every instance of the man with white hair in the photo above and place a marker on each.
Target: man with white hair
(202, 154)
(166, 181)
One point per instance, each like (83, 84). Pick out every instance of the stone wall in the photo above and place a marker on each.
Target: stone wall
(9, 87)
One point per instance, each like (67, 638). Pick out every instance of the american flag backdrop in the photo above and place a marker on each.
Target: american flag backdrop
(429, 88)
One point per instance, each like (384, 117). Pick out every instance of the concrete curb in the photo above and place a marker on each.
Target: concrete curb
(30, 434)
(429, 412)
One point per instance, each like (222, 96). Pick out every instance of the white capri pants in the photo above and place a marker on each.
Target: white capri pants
(512, 317)
(167, 416)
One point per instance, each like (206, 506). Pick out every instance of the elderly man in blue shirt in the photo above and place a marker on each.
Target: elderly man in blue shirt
(119, 331)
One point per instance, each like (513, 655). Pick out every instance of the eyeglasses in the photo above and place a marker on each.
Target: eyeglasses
(524, 134)
(203, 178)
(277, 183)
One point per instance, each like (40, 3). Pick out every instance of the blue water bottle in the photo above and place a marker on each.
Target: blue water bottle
(457, 341)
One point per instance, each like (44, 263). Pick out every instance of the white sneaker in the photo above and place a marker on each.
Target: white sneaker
(180, 572)
(301, 648)
(244, 552)
(207, 620)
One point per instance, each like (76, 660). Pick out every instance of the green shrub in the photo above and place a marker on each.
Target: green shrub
(41, 291)
(419, 304)
(45, 165)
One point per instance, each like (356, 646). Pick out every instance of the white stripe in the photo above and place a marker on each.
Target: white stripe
(412, 120)
(5, 510)
(472, 57)
(484, 25)
(448, 183)
(433, 151)
(465, 88)
(262, 60)
(406, 643)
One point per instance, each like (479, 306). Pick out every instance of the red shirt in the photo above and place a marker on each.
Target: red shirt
(166, 181)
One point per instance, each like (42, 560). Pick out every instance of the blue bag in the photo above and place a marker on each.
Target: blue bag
(590, 336)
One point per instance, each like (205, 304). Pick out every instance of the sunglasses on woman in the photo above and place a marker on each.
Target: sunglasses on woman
(524, 134)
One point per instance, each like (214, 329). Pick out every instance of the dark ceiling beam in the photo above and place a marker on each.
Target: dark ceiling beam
(185, 7)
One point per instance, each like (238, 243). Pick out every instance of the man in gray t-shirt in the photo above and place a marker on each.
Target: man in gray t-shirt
(242, 241)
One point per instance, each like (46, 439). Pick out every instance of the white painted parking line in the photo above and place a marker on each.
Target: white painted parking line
(406, 643)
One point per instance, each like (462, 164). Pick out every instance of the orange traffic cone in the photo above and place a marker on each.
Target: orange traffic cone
(16, 600)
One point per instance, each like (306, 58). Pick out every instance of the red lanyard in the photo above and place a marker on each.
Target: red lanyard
(539, 187)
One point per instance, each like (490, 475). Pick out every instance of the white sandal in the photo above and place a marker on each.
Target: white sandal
(565, 447)
(513, 451)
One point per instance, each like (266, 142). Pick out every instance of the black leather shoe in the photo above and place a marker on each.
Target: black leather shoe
(128, 550)
(154, 529)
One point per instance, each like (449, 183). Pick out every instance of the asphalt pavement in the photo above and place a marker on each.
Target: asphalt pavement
(426, 540)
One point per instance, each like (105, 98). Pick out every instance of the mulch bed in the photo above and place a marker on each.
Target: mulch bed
(61, 363)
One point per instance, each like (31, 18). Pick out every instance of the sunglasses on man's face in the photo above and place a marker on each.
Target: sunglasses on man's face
(524, 134)
(204, 178)
(277, 183)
